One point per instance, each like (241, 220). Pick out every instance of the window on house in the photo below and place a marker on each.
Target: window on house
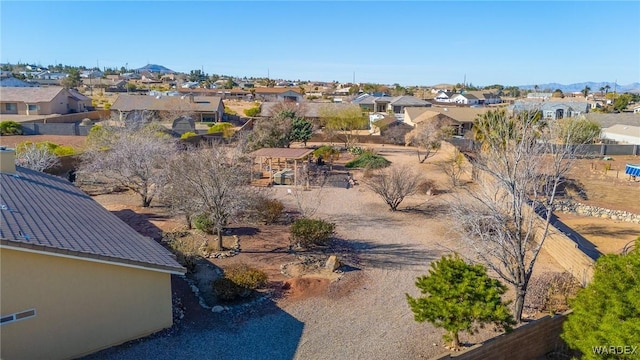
(7, 319)
(548, 114)
(397, 109)
(10, 107)
(33, 107)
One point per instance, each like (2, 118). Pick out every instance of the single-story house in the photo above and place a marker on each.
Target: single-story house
(389, 104)
(636, 109)
(147, 108)
(74, 278)
(418, 117)
(10, 81)
(553, 108)
(276, 94)
(623, 134)
(389, 124)
(221, 93)
(109, 85)
(444, 96)
(475, 98)
(464, 115)
(42, 101)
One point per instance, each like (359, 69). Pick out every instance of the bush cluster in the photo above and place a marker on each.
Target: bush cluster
(222, 127)
(368, 160)
(58, 150)
(187, 135)
(203, 223)
(10, 128)
(252, 112)
(309, 232)
(239, 281)
(269, 210)
(185, 249)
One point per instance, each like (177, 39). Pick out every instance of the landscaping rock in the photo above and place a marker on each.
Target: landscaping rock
(332, 263)
(217, 309)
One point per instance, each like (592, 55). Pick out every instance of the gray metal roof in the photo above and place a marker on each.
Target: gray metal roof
(30, 94)
(47, 213)
(408, 100)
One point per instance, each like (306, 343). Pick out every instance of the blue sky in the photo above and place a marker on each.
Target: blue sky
(410, 43)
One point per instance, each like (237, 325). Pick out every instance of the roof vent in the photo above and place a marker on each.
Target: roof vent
(23, 235)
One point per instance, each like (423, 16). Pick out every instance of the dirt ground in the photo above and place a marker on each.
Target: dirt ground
(609, 236)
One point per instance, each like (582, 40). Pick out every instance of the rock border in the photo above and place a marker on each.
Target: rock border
(574, 207)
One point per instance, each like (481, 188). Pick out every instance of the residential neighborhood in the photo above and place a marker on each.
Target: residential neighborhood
(285, 181)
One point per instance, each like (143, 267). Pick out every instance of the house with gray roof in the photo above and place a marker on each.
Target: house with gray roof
(552, 108)
(74, 278)
(148, 108)
(389, 104)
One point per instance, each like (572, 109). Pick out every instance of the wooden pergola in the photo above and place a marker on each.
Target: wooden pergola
(270, 159)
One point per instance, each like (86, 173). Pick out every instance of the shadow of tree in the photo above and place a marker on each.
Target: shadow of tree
(391, 255)
(606, 231)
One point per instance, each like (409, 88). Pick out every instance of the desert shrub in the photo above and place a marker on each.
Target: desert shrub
(245, 276)
(239, 280)
(64, 150)
(222, 127)
(355, 150)
(107, 106)
(203, 222)
(187, 135)
(227, 290)
(58, 150)
(310, 232)
(368, 160)
(10, 128)
(427, 186)
(229, 111)
(86, 122)
(551, 292)
(252, 112)
(186, 250)
(269, 210)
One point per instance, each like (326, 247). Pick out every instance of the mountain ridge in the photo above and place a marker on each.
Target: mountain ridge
(594, 86)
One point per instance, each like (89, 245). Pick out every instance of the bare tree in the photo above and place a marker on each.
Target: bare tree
(133, 158)
(506, 218)
(428, 137)
(394, 184)
(454, 167)
(309, 199)
(36, 157)
(214, 181)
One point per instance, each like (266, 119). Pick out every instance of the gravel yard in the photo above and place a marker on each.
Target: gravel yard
(364, 315)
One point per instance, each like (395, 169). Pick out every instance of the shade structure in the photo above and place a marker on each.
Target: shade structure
(632, 169)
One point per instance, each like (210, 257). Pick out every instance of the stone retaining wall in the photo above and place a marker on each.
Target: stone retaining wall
(572, 207)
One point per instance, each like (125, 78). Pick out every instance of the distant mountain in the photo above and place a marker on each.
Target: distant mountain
(155, 69)
(594, 86)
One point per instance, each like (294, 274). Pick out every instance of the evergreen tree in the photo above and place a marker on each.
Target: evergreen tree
(606, 313)
(460, 297)
(301, 130)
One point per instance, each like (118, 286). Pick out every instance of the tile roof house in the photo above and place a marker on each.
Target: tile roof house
(311, 110)
(75, 278)
(464, 116)
(42, 100)
(145, 107)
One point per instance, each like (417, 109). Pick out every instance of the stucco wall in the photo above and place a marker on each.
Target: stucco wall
(81, 306)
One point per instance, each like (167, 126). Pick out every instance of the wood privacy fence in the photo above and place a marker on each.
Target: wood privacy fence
(531, 341)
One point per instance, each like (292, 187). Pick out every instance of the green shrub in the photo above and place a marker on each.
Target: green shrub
(203, 222)
(229, 111)
(246, 277)
(310, 232)
(368, 160)
(227, 290)
(64, 150)
(269, 210)
(239, 281)
(10, 128)
(187, 135)
(107, 106)
(252, 112)
(222, 127)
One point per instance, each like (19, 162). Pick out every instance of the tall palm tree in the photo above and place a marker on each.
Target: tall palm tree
(606, 89)
(602, 90)
(586, 90)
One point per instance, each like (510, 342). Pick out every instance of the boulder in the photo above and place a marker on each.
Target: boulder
(332, 263)
(217, 309)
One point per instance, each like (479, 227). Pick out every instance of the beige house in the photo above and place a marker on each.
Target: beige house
(74, 279)
(146, 107)
(44, 100)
